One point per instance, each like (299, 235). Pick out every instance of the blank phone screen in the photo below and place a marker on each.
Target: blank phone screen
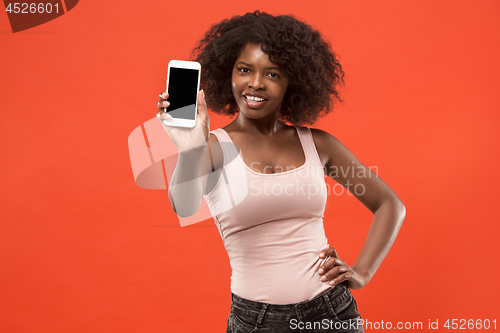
(182, 92)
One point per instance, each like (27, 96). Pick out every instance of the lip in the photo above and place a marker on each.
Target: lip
(254, 95)
(251, 104)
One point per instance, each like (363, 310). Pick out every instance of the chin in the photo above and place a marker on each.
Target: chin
(253, 114)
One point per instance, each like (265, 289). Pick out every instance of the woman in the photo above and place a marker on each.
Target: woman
(269, 71)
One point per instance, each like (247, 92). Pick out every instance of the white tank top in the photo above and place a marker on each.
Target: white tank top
(272, 225)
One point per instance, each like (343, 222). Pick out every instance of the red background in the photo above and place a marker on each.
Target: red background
(86, 250)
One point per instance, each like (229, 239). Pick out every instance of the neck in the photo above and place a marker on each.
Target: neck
(268, 126)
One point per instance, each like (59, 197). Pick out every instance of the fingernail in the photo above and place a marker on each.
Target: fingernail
(332, 283)
(167, 103)
(323, 278)
(321, 255)
(321, 271)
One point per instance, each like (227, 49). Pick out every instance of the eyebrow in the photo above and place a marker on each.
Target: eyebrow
(247, 64)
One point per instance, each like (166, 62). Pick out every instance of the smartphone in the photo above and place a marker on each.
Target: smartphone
(183, 83)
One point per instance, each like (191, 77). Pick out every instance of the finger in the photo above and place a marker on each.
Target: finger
(163, 115)
(342, 277)
(163, 104)
(202, 106)
(330, 252)
(162, 111)
(163, 95)
(326, 266)
(334, 273)
(329, 264)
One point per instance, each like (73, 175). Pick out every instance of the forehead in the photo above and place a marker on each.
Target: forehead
(254, 53)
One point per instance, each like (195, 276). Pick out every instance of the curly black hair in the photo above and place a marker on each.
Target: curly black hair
(313, 70)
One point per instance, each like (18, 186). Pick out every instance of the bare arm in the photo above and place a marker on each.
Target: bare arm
(189, 179)
(389, 212)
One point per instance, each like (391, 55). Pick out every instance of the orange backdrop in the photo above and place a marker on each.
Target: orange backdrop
(86, 250)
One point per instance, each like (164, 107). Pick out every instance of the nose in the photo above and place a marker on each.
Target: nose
(256, 82)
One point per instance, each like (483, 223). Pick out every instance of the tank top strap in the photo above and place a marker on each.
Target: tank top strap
(221, 135)
(307, 140)
(229, 149)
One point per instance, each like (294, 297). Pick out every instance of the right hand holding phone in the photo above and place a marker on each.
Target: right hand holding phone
(187, 138)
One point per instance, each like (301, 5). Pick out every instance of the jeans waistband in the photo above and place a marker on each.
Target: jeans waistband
(303, 310)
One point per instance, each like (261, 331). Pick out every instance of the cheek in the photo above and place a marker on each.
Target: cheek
(234, 83)
(233, 88)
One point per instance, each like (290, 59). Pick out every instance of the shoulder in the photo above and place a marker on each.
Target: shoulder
(326, 144)
(321, 136)
(212, 138)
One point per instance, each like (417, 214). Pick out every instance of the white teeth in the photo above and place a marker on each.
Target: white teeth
(254, 99)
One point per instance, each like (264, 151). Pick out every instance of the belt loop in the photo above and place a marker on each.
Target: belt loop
(262, 312)
(329, 306)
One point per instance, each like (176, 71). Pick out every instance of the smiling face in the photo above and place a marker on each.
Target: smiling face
(258, 84)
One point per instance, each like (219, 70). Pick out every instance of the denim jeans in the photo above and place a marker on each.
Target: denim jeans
(334, 310)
